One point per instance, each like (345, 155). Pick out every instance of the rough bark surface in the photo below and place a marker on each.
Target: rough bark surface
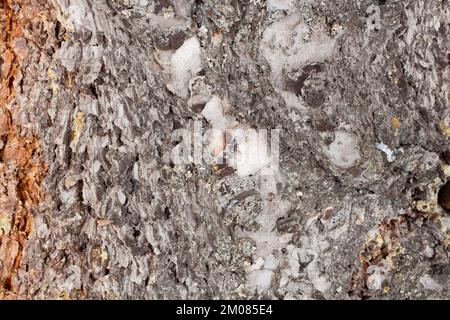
(91, 92)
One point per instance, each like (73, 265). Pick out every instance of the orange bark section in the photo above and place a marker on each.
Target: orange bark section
(21, 169)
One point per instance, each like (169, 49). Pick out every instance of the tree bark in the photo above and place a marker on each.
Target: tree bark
(93, 207)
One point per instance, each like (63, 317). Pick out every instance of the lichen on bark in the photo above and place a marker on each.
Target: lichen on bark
(92, 207)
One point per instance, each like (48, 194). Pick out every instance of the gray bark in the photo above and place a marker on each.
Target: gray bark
(364, 123)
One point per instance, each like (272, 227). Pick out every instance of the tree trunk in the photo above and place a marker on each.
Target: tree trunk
(94, 94)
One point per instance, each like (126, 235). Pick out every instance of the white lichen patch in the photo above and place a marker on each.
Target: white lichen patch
(390, 154)
(343, 152)
(267, 241)
(186, 62)
(430, 284)
(288, 45)
(248, 150)
(260, 280)
(252, 153)
(214, 114)
(275, 5)
(377, 277)
(319, 281)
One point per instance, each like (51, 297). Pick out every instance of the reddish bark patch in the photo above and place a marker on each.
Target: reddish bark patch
(21, 167)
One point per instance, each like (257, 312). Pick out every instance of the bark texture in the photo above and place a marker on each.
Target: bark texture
(92, 207)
